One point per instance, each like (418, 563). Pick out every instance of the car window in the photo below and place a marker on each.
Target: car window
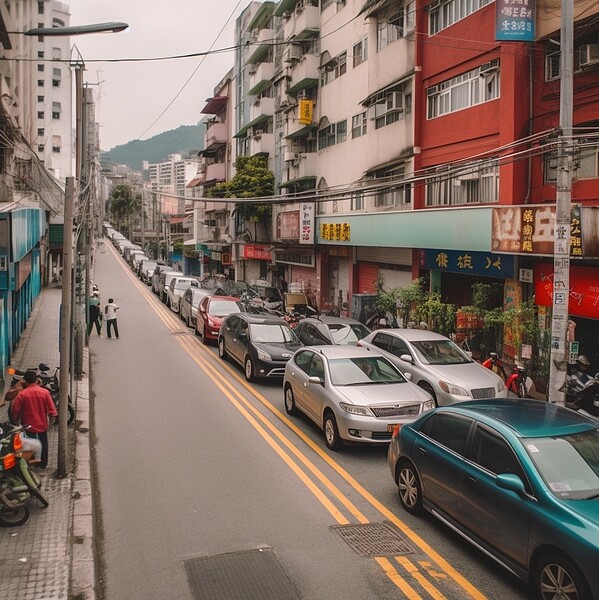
(363, 371)
(233, 323)
(440, 352)
(347, 334)
(187, 295)
(449, 430)
(302, 360)
(222, 308)
(493, 453)
(317, 367)
(383, 341)
(272, 333)
(317, 336)
(398, 347)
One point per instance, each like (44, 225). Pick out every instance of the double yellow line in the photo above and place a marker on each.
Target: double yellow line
(310, 473)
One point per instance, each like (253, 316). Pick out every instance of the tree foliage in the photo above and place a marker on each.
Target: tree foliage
(123, 203)
(252, 179)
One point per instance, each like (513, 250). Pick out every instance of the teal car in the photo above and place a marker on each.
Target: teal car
(519, 479)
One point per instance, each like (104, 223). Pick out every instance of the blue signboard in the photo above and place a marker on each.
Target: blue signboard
(470, 263)
(515, 20)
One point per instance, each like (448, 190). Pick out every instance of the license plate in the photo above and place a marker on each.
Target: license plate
(390, 428)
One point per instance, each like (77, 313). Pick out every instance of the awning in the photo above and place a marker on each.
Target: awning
(304, 84)
(382, 92)
(253, 123)
(284, 6)
(259, 87)
(306, 182)
(196, 181)
(325, 58)
(213, 105)
(262, 15)
(300, 133)
(372, 6)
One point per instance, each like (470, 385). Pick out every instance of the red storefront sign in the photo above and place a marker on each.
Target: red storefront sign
(256, 252)
(584, 290)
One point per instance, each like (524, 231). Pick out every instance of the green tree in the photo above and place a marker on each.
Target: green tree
(252, 179)
(123, 203)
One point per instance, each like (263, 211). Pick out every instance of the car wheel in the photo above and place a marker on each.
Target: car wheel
(408, 486)
(331, 432)
(290, 401)
(556, 576)
(427, 387)
(222, 352)
(249, 368)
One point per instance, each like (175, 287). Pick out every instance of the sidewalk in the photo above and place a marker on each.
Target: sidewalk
(51, 556)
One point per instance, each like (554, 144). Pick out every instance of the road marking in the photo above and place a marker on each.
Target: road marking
(412, 569)
(397, 579)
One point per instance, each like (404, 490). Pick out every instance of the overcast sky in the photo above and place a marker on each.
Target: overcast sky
(133, 95)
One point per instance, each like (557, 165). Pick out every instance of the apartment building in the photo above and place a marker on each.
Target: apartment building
(169, 180)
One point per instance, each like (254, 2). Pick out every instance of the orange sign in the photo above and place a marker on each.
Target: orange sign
(306, 112)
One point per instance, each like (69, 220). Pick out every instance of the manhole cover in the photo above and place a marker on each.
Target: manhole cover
(373, 539)
(248, 575)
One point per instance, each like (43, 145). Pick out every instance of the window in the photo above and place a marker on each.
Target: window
(41, 148)
(40, 83)
(56, 110)
(303, 360)
(450, 431)
(332, 134)
(40, 98)
(587, 159)
(334, 69)
(552, 56)
(447, 13)
(40, 114)
(479, 183)
(40, 54)
(359, 125)
(56, 54)
(56, 144)
(391, 108)
(466, 90)
(40, 131)
(56, 77)
(360, 52)
(394, 24)
(396, 194)
(550, 166)
(357, 201)
(40, 68)
(40, 8)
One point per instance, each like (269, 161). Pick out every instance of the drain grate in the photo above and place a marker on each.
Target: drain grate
(248, 575)
(373, 539)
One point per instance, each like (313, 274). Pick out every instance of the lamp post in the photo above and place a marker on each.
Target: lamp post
(66, 314)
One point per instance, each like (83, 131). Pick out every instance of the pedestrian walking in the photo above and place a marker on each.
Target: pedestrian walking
(95, 315)
(110, 314)
(35, 410)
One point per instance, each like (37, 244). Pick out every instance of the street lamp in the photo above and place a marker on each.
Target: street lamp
(66, 314)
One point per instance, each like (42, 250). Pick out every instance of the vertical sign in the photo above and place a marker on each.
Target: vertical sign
(515, 20)
(307, 223)
(306, 112)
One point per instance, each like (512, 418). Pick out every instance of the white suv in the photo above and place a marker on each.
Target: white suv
(176, 289)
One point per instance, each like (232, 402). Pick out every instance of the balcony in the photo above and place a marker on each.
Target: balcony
(262, 143)
(216, 135)
(304, 74)
(304, 22)
(300, 171)
(215, 172)
(261, 43)
(260, 77)
(262, 106)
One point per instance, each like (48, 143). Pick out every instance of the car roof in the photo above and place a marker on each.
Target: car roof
(414, 335)
(343, 351)
(260, 319)
(326, 320)
(525, 417)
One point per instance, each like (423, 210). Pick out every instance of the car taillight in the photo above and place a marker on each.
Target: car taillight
(9, 461)
(395, 431)
(17, 442)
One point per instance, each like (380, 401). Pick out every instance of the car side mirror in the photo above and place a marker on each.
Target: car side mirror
(406, 358)
(315, 380)
(511, 482)
(407, 376)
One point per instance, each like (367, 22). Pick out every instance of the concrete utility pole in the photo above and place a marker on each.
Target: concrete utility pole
(561, 251)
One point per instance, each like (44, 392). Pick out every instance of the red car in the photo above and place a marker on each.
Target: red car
(210, 313)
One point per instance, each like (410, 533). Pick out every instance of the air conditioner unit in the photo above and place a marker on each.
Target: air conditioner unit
(398, 100)
(293, 53)
(589, 55)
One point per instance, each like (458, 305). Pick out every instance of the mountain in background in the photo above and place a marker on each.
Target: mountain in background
(183, 140)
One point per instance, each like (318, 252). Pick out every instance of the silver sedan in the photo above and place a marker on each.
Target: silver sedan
(354, 394)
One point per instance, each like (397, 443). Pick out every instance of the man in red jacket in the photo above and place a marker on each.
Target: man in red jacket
(34, 408)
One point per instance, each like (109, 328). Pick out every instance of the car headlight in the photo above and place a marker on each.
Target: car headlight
(428, 405)
(265, 356)
(454, 390)
(353, 409)
(501, 386)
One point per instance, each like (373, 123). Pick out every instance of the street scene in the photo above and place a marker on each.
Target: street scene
(299, 300)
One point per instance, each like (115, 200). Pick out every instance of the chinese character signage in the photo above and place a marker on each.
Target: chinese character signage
(307, 223)
(334, 232)
(575, 232)
(306, 112)
(256, 252)
(288, 225)
(472, 263)
(515, 20)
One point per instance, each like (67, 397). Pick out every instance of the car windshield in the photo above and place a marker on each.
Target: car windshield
(198, 294)
(347, 334)
(440, 352)
(272, 333)
(568, 464)
(362, 371)
(222, 308)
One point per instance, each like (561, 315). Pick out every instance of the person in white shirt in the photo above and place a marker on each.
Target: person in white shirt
(110, 315)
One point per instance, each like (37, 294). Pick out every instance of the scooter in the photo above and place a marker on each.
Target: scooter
(587, 400)
(517, 382)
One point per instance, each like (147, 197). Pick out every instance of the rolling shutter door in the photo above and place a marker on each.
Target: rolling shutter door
(367, 277)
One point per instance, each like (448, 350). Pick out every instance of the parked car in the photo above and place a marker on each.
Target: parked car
(146, 269)
(176, 289)
(436, 364)
(517, 478)
(136, 259)
(164, 280)
(157, 285)
(188, 306)
(262, 345)
(352, 393)
(211, 311)
(324, 330)
(128, 250)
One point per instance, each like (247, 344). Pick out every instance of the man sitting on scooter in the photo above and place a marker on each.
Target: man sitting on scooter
(578, 378)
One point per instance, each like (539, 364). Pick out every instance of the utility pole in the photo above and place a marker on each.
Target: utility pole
(563, 202)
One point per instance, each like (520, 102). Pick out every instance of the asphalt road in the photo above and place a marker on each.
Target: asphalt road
(203, 480)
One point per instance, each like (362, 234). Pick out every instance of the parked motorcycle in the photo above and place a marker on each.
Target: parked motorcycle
(587, 400)
(518, 383)
(48, 381)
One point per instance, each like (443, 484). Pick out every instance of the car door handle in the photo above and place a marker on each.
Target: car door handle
(471, 479)
(422, 450)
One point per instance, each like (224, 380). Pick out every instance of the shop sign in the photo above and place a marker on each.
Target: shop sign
(575, 232)
(255, 252)
(226, 258)
(216, 256)
(307, 223)
(335, 232)
(584, 290)
(472, 263)
(306, 112)
(289, 225)
(339, 251)
(515, 20)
